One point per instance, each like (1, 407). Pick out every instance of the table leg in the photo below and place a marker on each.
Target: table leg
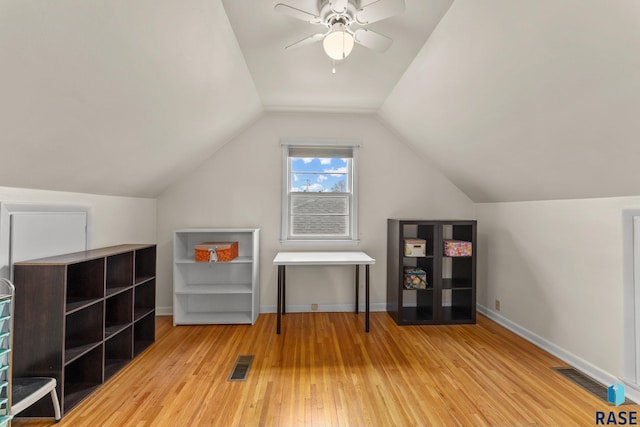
(284, 289)
(357, 283)
(366, 298)
(279, 302)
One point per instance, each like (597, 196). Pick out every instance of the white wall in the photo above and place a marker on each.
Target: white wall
(116, 220)
(557, 268)
(240, 187)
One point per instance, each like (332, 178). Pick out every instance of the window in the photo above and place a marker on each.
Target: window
(319, 191)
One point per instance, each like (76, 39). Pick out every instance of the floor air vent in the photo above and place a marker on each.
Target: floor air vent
(587, 383)
(241, 368)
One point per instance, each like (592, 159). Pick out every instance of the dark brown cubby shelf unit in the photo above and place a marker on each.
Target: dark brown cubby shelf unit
(82, 317)
(450, 296)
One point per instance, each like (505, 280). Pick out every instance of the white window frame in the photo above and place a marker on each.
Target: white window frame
(285, 237)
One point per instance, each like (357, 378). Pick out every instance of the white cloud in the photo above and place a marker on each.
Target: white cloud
(325, 161)
(295, 178)
(336, 171)
(307, 159)
(322, 178)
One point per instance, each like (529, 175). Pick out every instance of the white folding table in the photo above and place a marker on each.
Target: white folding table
(357, 258)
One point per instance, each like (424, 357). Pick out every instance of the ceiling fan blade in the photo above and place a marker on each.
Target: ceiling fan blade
(297, 13)
(379, 10)
(339, 6)
(372, 40)
(308, 40)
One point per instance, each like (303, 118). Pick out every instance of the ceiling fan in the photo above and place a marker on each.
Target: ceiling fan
(345, 21)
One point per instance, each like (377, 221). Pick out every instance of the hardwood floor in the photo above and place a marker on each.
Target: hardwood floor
(324, 370)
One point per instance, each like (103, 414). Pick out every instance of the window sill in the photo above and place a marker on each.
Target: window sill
(320, 243)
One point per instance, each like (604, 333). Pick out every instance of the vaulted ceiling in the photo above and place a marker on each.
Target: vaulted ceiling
(512, 100)
(301, 79)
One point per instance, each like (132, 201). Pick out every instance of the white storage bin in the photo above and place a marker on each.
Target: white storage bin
(415, 247)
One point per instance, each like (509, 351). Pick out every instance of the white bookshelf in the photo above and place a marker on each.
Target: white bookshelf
(220, 292)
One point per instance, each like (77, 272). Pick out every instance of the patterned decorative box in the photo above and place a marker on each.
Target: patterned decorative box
(415, 247)
(457, 248)
(216, 251)
(415, 278)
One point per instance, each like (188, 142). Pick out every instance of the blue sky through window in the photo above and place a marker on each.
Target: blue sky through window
(319, 174)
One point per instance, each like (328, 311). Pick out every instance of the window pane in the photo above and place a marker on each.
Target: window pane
(319, 225)
(319, 215)
(319, 175)
(319, 205)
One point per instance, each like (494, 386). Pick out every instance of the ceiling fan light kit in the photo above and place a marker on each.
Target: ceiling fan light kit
(344, 21)
(338, 44)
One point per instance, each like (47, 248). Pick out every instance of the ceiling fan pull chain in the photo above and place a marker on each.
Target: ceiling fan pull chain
(333, 70)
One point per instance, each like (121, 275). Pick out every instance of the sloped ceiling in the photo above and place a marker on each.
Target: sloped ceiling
(116, 97)
(512, 100)
(528, 100)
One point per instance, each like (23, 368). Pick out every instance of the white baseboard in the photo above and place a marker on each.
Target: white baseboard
(164, 311)
(580, 364)
(324, 308)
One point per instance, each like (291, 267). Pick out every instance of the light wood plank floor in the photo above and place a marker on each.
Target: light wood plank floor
(324, 370)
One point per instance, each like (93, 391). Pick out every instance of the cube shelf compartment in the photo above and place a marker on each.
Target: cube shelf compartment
(118, 351)
(85, 284)
(81, 317)
(118, 313)
(145, 265)
(450, 296)
(81, 377)
(143, 333)
(144, 299)
(84, 330)
(119, 272)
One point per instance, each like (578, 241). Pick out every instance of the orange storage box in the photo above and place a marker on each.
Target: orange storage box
(216, 251)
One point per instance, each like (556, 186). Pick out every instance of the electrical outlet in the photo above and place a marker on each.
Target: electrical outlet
(314, 306)
(497, 305)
